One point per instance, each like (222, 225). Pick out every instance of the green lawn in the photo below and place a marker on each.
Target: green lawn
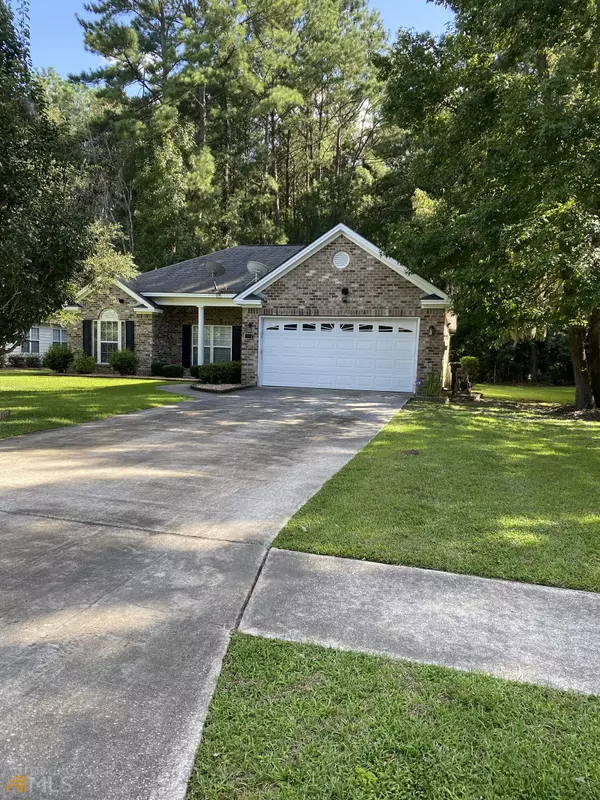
(301, 722)
(527, 394)
(39, 401)
(493, 492)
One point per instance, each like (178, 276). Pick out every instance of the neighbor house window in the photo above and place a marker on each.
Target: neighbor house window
(32, 342)
(59, 336)
(108, 334)
(217, 343)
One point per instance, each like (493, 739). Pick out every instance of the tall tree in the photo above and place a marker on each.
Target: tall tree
(45, 236)
(268, 111)
(501, 119)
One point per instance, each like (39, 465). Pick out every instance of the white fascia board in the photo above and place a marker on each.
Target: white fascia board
(318, 244)
(148, 310)
(435, 303)
(249, 303)
(72, 309)
(139, 297)
(178, 300)
(213, 296)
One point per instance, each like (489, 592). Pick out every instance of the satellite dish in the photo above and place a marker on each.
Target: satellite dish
(214, 269)
(257, 270)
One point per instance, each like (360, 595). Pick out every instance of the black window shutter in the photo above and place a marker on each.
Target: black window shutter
(130, 335)
(87, 337)
(236, 343)
(186, 346)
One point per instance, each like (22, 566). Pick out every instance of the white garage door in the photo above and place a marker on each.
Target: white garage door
(339, 353)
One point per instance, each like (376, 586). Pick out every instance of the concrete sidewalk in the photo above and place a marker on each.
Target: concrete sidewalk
(512, 630)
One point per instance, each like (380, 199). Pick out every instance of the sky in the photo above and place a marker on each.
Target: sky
(57, 39)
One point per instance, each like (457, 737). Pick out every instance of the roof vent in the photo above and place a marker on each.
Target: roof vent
(341, 260)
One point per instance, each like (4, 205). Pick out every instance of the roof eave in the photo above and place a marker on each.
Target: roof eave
(441, 303)
(226, 295)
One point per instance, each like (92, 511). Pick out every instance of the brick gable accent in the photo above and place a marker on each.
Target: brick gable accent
(314, 288)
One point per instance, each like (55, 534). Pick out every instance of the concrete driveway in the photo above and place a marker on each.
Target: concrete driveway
(128, 549)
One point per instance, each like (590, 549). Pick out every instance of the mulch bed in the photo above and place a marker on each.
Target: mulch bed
(218, 388)
(570, 412)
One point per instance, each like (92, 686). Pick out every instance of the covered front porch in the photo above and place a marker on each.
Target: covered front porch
(197, 334)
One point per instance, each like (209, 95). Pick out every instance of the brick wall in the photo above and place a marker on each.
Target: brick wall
(158, 337)
(168, 327)
(222, 316)
(123, 304)
(314, 288)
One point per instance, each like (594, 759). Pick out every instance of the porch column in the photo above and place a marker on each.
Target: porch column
(200, 335)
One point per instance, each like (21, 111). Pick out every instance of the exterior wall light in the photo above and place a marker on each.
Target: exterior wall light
(431, 330)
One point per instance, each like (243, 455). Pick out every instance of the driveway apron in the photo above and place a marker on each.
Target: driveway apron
(129, 548)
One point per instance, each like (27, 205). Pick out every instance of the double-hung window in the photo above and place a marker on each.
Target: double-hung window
(217, 343)
(32, 342)
(59, 336)
(109, 338)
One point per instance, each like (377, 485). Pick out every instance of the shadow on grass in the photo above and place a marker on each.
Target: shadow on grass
(49, 407)
(506, 495)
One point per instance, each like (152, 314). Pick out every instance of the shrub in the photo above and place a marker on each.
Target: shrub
(59, 357)
(33, 361)
(157, 367)
(83, 364)
(470, 365)
(123, 361)
(16, 360)
(432, 386)
(172, 371)
(220, 372)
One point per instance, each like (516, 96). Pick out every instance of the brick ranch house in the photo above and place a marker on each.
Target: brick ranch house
(332, 314)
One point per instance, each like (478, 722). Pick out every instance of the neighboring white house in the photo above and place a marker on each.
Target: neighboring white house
(40, 338)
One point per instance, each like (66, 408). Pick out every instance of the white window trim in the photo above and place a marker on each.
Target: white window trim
(211, 352)
(29, 339)
(99, 340)
(63, 337)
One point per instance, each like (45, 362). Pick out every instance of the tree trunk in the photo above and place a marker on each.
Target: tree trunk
(275, 173)
(594, 354)
(533, 360)
(201, 122)
(583, 389)
(226, 175)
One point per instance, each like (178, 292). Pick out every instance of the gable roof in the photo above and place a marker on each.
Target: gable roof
(189, 277)
(360, 241)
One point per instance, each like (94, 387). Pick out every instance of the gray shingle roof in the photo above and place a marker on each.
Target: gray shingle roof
(190, 276)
